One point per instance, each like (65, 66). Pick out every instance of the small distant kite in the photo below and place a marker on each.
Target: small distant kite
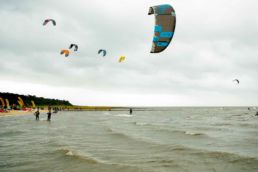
(165, 23)
(121, 59)
(49, 20)
(236, 81)
(102, 51)
(20, 101)
(66, 52)
(75, 47)
(2, 101)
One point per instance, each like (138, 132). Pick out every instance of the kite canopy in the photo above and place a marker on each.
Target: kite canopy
(2, 101)
(165, 23)
(236, 81)
(7, 103)
(75, 47)
(20, 101)
(102, 51)
(66, 52)
(121, 59)
(49, 20)
(33, 104)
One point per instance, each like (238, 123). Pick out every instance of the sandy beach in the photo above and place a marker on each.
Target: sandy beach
(19, 112)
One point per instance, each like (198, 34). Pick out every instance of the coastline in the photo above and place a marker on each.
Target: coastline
(69, 108)
(19, 113)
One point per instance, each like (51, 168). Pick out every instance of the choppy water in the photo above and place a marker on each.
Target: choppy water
(175, 139)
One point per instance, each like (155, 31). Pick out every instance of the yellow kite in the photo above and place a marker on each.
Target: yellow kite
(121, 59)
(2, 101)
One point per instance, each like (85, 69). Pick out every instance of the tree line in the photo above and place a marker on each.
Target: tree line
(39, 101)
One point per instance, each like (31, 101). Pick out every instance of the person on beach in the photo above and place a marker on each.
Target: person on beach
(37, 114)
(256, 114)
(14, 107)
(5, 108)
(49, 113)
(55, 110)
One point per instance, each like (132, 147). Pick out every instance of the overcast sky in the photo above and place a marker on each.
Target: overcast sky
(215, 42)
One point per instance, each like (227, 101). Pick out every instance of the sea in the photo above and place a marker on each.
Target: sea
(174, 139)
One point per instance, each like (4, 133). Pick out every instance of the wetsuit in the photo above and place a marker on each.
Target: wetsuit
(37, 115)
(49, 113)
(49, 116)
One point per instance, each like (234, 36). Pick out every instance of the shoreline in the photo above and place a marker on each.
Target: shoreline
(19, 113)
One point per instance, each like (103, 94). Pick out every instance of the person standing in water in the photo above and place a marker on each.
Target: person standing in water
(131, 111)
(37, 114)
(49, 113)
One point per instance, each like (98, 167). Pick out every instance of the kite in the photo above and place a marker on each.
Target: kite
(165, 23)
(49, 20)
(66, 52)
(121, 59)
(102, 51)
(75, 47)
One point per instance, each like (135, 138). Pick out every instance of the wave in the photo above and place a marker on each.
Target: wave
(11, 133)
(163, 128)
(152, 142)
(119, 133)
(187, 133)
(229, 157)
(124, 115)
(221, 124)
(149, 124)
(195, 153)
(167, 154)
(193, 133)
(72, 153)
(94, 161)
(106, 113)
(141, 123)
(249, 125)
(130, 138)
(233, 161)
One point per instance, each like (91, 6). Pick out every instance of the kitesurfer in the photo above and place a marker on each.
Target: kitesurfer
(49, 113)
(55, 110)
(37, 114)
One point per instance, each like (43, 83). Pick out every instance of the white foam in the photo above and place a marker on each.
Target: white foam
(69, 153)
(192, 133)
(106, 113)
(124, 115)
